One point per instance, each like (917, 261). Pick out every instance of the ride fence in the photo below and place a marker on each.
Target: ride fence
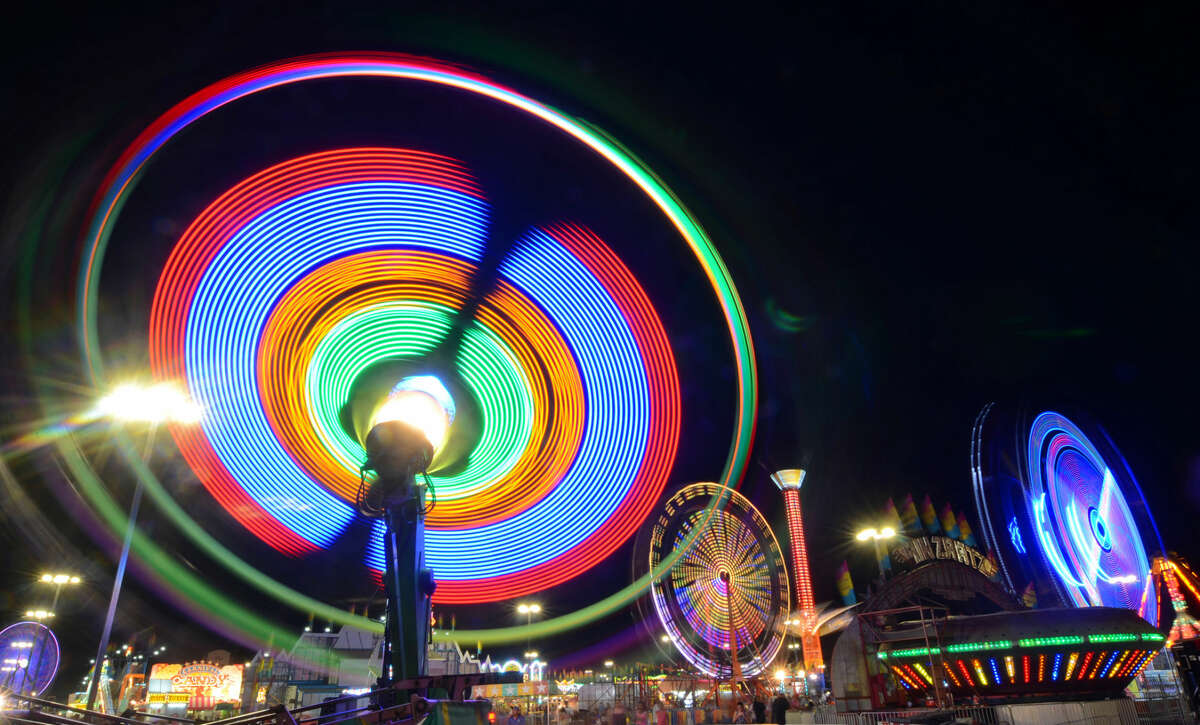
(981, 714)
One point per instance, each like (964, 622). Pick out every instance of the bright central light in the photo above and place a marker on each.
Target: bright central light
(781, 675)
(886, 532)
(158, 403)
(422, 402)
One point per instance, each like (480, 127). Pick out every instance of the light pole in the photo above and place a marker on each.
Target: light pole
(887, 532)
(58, 580)
(153, 405)
(529, 609)
(402, 424)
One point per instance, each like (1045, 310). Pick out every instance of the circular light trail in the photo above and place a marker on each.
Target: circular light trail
(124, 177)
(732, 580)
(1083, 520)
(308, 285)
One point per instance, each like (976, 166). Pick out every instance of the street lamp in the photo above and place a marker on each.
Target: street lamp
(153, 405)
(39, 614)
(59, 580)
(887, 532)
(529, 609)
(531, 655)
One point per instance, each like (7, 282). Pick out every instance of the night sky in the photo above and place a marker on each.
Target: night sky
(924, 210)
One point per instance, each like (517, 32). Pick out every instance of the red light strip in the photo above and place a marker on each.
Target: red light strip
(1131, 665)
(1083, 667)
(904, 676)
(953, 677)
(1141, 665)
(962, 667)
(804, 595)
(1025, 667)
(915, 675)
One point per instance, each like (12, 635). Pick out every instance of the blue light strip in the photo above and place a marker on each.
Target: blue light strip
(234, 299)
(1054, 670)
(618, 420)
(1107, 665)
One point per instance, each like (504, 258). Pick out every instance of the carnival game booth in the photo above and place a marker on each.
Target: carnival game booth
(533, 698)
(205, 690)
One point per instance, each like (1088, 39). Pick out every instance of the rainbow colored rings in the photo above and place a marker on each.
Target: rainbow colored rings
(295, 280)
(293, 283)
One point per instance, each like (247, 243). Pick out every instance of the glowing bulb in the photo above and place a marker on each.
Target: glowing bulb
(158, 403)
(887, 532)
(422, 402)
(781, 674)
(866, 534)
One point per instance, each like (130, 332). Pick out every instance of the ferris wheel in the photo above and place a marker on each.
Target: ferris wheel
(725, 603)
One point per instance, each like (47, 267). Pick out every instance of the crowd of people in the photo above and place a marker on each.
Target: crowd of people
(743, 712)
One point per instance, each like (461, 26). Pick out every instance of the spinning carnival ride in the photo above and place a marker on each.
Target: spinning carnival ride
(29, 658)
(317, 277)
(726, 603)
(1068, 516)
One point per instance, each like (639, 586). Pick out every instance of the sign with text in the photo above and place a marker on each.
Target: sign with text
(928, 548)
(203, 684)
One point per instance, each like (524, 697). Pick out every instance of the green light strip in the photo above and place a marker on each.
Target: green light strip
(977, 646)
(1060, 641)
(1050, 641)
(916, 652)
(411, 329)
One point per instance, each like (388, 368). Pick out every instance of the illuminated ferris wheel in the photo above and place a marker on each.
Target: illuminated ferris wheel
(725, 603)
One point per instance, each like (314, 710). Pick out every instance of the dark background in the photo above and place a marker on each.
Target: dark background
(951, 205)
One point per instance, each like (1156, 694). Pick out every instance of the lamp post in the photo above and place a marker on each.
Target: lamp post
(153, 405)
(529, 609)
(402, 431)
(58, 580)
(887, 532)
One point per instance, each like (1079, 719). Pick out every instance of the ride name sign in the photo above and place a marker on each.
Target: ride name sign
(929, 548)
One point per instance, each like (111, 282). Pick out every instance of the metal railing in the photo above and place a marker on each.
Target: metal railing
(333, 711)
(982, 714)
(41, 708)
